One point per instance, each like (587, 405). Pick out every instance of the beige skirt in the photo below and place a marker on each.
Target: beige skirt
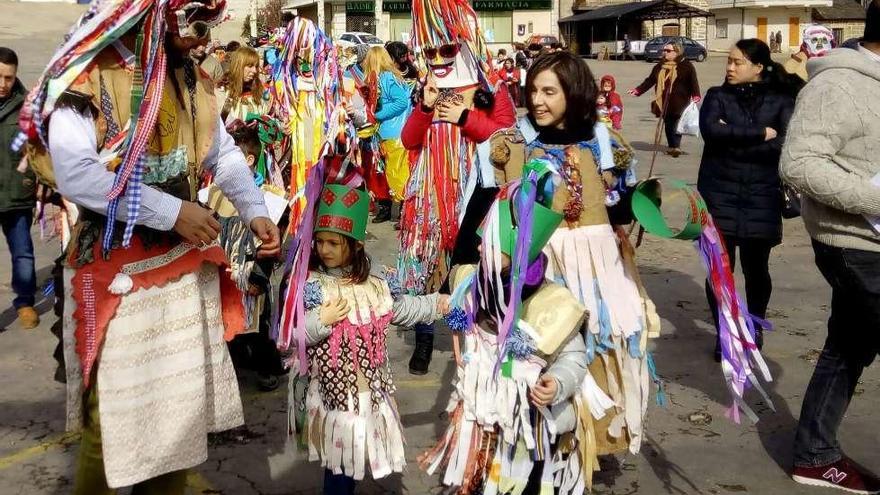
(164, 377)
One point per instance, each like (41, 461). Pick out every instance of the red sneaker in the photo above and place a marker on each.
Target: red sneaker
(843, 475)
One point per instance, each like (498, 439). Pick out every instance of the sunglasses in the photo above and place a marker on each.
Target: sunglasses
(668, 50)
(446, 51)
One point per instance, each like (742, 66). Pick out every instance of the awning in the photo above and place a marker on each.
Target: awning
(842, 10)
(639, 11)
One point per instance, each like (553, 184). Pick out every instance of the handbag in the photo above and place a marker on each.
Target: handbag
(791, 207)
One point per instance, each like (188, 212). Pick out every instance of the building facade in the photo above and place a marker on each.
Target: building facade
(503, 21)
(737, 19)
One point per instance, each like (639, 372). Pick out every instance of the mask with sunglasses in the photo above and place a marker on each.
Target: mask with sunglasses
(194, 19)
(452, 65)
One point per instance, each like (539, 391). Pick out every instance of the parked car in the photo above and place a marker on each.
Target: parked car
(540, 40)
(692, 49)
(851, 43)
(358, 38)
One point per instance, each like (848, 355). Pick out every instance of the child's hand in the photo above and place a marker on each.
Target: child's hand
(543, 393)
(333, 311)
(443, 307)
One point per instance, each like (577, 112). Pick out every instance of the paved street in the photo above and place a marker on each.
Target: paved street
(690, 447)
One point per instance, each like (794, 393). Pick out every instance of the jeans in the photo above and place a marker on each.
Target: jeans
(754, 254)
(17, 229)
(673, 139)
(338, 484)
(852, 344)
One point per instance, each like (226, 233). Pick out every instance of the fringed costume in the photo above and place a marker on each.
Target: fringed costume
(498, 440)
(448, 168)
(344, 411)
(595, 262)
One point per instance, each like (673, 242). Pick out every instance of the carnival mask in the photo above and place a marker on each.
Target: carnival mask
(452, 64)
(305, 75)
(194, 19)
(818, 40)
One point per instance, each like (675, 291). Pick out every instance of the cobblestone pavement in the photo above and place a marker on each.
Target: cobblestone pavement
(689, 448)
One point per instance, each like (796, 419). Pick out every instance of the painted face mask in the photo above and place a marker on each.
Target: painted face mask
(452, 64)
(818, 40)
(453, 48)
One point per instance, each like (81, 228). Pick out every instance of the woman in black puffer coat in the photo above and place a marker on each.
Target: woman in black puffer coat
(743, 123)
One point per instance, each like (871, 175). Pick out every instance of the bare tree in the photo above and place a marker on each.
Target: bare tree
(268, 17)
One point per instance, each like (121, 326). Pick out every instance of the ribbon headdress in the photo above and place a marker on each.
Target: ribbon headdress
(103, 25)
(307, 94)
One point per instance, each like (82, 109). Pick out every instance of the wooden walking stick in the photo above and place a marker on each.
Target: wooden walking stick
(660, 124)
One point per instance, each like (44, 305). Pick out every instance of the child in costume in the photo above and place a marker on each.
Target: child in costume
(254, 348)
(512, 411)
(348, 418)
(611, 104)
(451, 182)
(509, 73)
(587, 253)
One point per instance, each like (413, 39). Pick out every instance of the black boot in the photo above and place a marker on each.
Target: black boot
(421, 357)
(383, 211)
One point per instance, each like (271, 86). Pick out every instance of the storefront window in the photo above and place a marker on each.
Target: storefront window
(497, 26)
(721, 28)
(401, 27)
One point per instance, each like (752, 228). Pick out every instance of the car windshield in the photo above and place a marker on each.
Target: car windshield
(370, 39)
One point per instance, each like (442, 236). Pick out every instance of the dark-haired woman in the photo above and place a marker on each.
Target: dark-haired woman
(675, 84)
(586, 253)
(743, 123)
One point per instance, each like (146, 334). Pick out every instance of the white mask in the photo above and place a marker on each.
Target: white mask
(818, 40)
(456, 71)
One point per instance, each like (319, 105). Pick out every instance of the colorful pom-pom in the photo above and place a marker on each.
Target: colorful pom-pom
(519, 344)
(393, 280)
(313, 297)
(457, 320)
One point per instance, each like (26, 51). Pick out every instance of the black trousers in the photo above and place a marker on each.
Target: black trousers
(754, 256)
(670, 122)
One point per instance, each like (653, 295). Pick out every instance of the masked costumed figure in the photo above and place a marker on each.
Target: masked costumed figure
(307, 95)
(128, 118)
(818, 40)
(451, 184)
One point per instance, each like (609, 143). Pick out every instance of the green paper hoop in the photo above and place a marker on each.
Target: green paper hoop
(647, 207)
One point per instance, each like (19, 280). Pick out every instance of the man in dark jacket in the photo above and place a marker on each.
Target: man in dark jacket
(17, 193)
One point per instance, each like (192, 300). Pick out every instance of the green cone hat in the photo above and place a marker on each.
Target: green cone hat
(343, 210)
(544, 223)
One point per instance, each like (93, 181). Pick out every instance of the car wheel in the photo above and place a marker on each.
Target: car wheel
(701, 56)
